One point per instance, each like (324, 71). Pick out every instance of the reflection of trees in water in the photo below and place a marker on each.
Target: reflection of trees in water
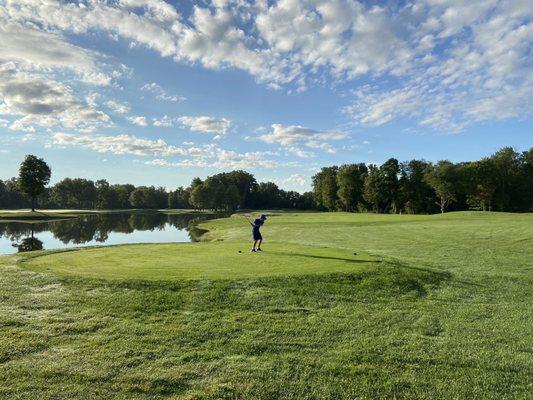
(89, 228)
(30, 243)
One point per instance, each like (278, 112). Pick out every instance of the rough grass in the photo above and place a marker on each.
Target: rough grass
(446, 314)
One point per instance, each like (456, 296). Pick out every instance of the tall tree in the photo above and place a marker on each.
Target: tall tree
(199, 197)
(106, 197)
(507, 169)
(442, 178)
(482, 183)
(351, 181)
(232, 197)
(416, 196)
(325, 188)
(390, 170)
(34, 175)
(524, 200)
(374, 190)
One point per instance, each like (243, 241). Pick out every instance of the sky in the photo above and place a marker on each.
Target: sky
(155, 92)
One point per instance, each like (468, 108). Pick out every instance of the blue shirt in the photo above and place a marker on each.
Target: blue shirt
(257, 224)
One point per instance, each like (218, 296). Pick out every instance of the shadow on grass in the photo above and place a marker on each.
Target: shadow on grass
(323, 257)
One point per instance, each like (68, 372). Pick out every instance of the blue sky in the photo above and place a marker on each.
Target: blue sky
(156, 93)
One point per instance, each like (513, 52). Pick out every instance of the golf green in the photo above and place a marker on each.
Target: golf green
(218, 260)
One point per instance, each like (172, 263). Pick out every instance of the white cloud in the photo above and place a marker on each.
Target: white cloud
(484, 74)
(138, 120)
(46, 102)
(160, 93)
(40, 50)
(295, 179)
(293, 136)
(164, 122)
(206, 124)
(120, 108)
(221, 159)
(121, 144)
(439, 63)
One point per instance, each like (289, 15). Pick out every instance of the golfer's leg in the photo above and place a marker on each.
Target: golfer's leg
(259, 245)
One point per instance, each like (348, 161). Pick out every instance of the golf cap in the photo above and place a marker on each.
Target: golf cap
(263, 217)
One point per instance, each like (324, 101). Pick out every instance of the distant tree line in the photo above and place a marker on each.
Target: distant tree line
(220, 192)
(502, 182)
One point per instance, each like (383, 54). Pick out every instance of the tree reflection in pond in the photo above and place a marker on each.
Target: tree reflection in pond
(30, 243)
(97, 228)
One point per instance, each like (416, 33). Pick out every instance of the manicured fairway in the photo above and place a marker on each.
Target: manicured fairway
(170, 262)
(431, 307)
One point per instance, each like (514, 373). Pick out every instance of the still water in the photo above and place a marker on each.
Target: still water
(108, 229)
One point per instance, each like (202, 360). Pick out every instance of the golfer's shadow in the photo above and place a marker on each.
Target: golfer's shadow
(351, 260)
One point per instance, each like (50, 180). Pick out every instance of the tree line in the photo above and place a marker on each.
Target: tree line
(221, 192)
(501, 182)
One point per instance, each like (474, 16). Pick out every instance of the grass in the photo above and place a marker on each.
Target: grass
(431, 307)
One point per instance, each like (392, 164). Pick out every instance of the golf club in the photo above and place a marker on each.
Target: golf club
(248, 219)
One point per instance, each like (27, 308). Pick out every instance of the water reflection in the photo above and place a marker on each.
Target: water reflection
(103, 228)
(29, 244)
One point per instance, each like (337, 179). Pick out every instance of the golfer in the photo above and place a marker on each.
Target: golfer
(258, 239)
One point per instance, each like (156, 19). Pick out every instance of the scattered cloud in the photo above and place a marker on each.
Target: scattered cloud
(46, 102)
(121, 144)
(199, 156)
(40, 50)
(292, 180)
(119, 108)
(138, 120)
(294, 136)
(206, 124)
(164, 122)
(160, 93)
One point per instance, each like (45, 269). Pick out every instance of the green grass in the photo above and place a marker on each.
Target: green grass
(431, 307)
(170, 262)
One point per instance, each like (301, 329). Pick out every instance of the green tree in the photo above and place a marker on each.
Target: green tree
(507, 170)
(374, 191)
(325, 188)
(232, 197)
(482, 183)
(199, 197)
(34, 175)
(106, 197)
(350, 182)
(442, 178)
(389, 172)
(524, 200)
(415, 194)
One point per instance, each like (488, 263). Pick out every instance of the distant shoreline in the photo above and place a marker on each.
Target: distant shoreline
(40, 215)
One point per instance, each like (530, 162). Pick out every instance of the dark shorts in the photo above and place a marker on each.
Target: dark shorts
(257, 235)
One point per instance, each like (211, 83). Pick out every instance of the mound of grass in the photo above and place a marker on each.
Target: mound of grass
(198, 261)
(446, 313)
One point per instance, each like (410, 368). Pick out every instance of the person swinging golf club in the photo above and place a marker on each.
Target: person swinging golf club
(258, 239)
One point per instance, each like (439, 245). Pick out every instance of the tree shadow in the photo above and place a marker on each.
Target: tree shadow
(351, 260)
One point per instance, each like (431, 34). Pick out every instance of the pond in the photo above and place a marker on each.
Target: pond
(100, 229)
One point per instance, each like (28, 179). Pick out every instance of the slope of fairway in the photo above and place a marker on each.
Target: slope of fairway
(198, 261)
(465, 242)
(445, 314)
